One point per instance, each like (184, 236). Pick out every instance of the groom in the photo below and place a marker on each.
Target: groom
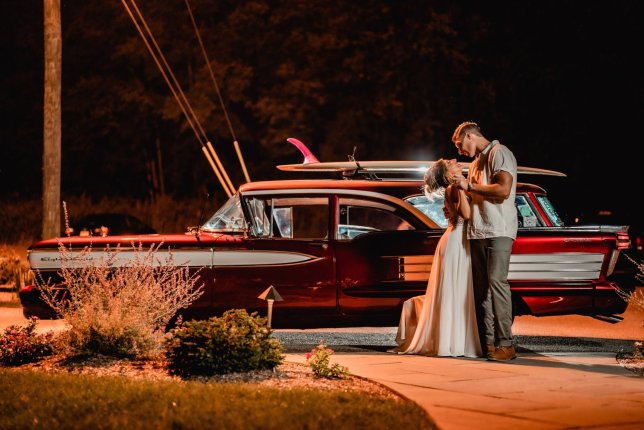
(492, 229)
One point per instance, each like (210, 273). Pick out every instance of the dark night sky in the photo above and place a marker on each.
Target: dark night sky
(569, 95)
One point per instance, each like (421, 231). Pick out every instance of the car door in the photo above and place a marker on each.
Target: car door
(289, 249)
(383, 255)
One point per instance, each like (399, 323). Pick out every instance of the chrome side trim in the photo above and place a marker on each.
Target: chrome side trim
(561, 266)
(559, 257)
(51, 259)
(259, 258)
(564, 266)
(612, 262)
(414, 267)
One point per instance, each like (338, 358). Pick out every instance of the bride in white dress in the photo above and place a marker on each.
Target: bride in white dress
(443, 322)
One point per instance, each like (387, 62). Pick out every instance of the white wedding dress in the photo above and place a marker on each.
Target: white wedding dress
(443, 322)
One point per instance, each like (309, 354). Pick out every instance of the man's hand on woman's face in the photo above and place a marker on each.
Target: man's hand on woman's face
(460, 181)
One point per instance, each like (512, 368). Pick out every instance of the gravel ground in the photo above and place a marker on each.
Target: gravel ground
(383, 338)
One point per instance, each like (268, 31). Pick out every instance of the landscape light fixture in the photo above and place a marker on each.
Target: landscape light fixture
(270, 295)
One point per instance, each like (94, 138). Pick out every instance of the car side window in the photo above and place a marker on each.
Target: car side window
(525, 214)
(359, 216)
(290, 217)
(260, 218)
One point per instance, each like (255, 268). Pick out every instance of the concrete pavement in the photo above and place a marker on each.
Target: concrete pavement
(13, 316)
(538, 390)
(535, 391)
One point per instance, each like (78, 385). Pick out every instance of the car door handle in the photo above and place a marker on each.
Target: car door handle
(320, 245)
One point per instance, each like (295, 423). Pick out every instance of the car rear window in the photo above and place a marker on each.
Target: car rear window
(433, 208)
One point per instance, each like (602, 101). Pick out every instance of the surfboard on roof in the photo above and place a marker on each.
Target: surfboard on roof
(406, 168)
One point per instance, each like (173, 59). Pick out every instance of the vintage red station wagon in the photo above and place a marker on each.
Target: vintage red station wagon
(350, 251)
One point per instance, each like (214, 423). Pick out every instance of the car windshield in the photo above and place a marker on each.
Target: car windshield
(229, 217)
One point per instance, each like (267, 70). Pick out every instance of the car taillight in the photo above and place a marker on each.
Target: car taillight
(623, 241)
(27, 288)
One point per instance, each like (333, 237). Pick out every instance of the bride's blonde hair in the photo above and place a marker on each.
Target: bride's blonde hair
(436, 179)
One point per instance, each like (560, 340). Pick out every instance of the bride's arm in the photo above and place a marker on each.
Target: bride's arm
(460, 200)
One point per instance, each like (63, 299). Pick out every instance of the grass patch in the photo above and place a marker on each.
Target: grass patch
(56, 401)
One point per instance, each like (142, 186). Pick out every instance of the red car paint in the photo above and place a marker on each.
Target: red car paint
(364, 251)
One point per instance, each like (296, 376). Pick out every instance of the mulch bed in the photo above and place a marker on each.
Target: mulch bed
(285, 376)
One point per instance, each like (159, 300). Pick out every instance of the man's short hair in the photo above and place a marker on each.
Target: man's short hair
(465, 127)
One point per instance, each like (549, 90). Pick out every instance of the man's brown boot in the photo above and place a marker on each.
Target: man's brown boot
(503, 353)
(490, 350)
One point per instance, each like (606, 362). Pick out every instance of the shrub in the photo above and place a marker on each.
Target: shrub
(234, 342)
(319, 359)
(119, 310)
(21, 344)
(635, 298)
(21, 221)
(10, 265)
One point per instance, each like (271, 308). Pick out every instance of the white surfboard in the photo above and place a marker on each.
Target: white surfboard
(404, 167)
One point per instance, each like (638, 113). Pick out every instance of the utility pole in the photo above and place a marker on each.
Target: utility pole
(52, 120)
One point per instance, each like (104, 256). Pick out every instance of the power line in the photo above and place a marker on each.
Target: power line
(185, 104)
(221, 100)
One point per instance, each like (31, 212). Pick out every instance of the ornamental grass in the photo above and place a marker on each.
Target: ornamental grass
(118, 309)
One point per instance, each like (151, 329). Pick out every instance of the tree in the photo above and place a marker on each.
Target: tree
(386, 78)
(52, 120)
(336, 76)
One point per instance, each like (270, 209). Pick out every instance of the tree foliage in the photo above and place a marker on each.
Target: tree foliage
(391, 78)
(381, 76)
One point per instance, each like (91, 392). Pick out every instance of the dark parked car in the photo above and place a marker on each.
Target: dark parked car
(109, 223)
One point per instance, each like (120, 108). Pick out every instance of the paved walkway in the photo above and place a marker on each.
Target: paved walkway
(554, 390)
(535, 391)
